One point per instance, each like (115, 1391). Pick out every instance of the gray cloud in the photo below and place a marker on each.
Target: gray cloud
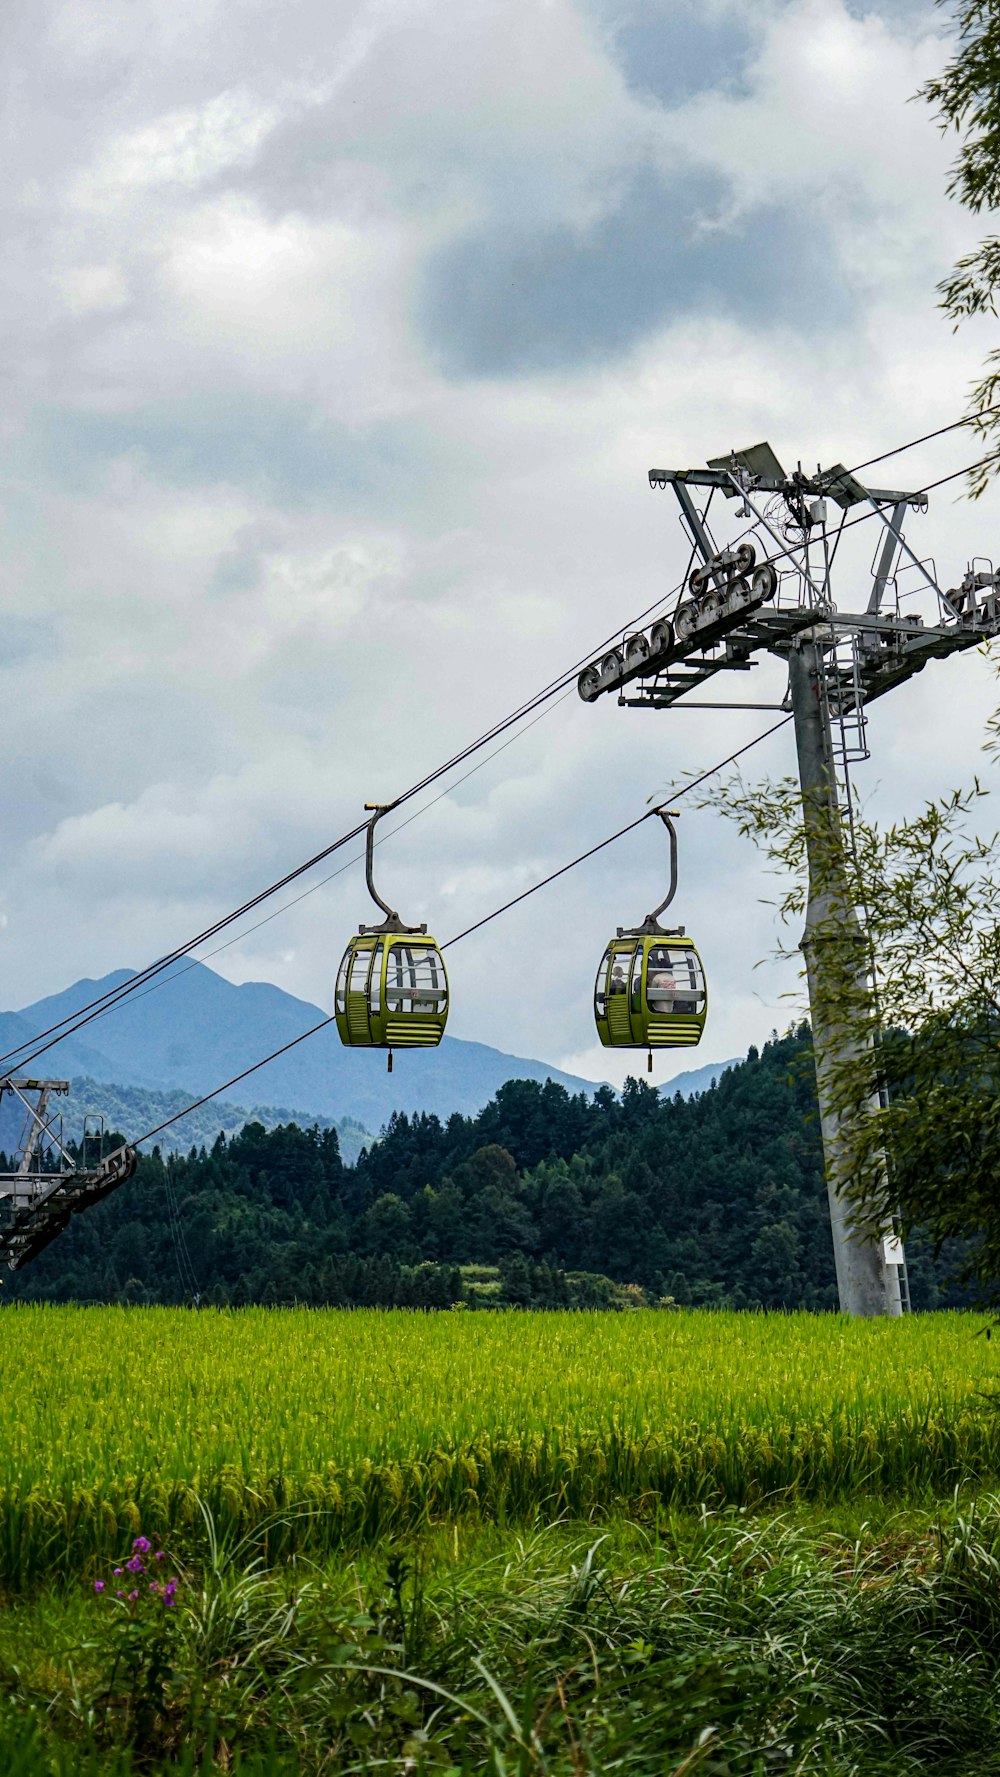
(670, 52)
(497, 303)
(25, 638)
(267, 445)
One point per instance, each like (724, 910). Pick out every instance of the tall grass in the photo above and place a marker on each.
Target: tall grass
(326, 1427)
(725, 1645)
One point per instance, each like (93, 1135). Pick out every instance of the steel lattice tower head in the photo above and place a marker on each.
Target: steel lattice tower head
(47, 1183)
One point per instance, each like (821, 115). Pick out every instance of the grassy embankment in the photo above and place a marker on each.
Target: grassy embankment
(724, 1644)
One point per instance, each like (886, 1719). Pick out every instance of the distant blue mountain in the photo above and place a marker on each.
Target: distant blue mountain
(697, 1079)
(75, 1056)
(191, 1029)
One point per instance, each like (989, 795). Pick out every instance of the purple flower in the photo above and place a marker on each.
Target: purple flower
(161, 1554)
(135, 1565)
(117, 1572)
(98, 1585)
(119, 1594)
(132, 1597)
(142, 1544)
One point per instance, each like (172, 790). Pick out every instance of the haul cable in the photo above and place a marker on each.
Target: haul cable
(358, 858)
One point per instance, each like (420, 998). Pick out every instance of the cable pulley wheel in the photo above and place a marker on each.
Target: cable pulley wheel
(661, 636)
(685, 620)
(765, 581)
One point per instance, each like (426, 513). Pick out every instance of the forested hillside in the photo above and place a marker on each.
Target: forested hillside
(718, 1199)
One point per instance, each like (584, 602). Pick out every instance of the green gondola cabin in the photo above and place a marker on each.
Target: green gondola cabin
(650, 992)
(392, 992)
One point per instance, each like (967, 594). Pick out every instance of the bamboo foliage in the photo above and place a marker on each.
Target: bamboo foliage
(927, 1040)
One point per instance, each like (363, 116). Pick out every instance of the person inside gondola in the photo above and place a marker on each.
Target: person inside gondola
(660, 990)
(617, 984)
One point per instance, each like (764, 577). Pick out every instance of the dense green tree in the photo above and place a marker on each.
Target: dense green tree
(387, 1227)
(717, 1200)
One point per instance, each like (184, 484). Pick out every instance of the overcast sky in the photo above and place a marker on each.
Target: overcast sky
(338, 342)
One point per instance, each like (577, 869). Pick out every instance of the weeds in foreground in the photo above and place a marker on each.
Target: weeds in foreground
(739, 1649)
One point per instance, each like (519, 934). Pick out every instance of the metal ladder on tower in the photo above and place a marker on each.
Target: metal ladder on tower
(844, 696)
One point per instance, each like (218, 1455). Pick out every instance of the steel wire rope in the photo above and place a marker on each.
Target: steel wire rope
(113, 997)
(324, 1023)
(358, 858)
(84, 1015)
(969, 419)
(185, 1270)
(693, 785)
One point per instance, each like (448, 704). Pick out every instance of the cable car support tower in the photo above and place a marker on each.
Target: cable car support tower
(731, 612)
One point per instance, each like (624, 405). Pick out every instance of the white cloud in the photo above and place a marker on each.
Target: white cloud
(93, 289)
(183, 148)
(314, 309)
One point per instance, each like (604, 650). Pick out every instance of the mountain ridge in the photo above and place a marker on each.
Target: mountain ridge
(201, 1030)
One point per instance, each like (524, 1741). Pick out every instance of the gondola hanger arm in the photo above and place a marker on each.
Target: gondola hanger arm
(668, 816)
(392, 923)
(651, 922)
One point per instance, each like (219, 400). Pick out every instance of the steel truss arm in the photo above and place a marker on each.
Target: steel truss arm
(892, 526)
(37, 1127)
(771, 484)
(36, 1206)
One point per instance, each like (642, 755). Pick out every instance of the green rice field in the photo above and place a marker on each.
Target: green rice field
(322, 1429)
